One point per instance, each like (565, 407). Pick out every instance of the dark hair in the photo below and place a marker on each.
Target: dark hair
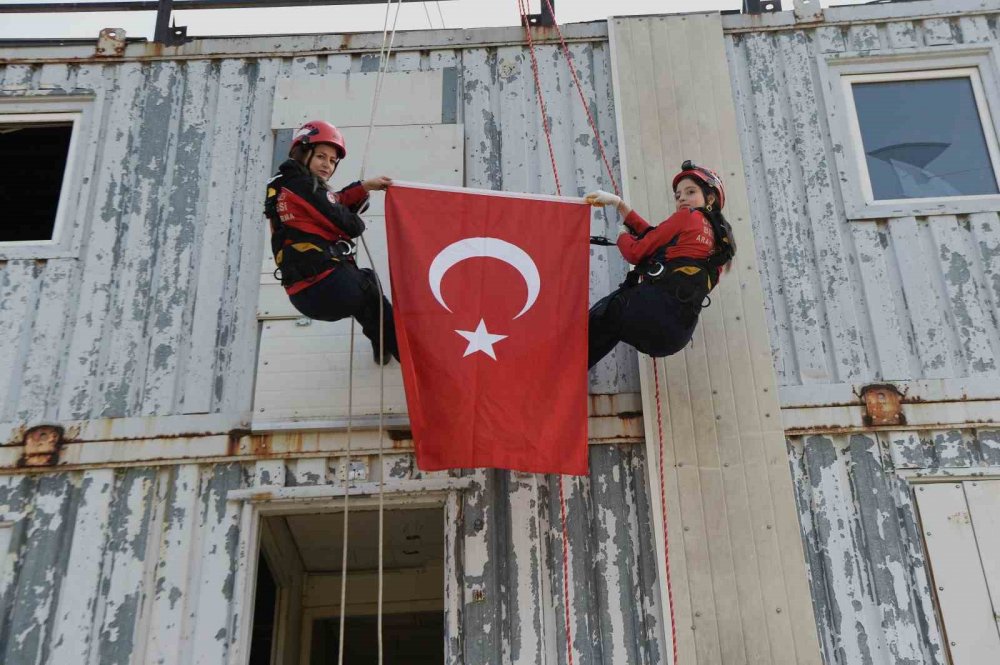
(300, 152)
(705, 189)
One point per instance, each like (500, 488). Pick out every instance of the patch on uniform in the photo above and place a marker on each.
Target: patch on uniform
(332, 198)
(271, 192)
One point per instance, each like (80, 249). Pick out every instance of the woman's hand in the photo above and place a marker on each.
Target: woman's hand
(378, 184)
(601, 198)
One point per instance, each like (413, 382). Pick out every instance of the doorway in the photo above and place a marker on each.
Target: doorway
(304, 552)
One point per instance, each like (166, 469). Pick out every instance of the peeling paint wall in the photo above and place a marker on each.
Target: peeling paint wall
(138, 565)
(855, 302)
(852, 302)
(155, 315)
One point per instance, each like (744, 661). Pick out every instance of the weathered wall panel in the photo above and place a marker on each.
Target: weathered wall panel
(157, 314)
(854, 302)
(139, 564)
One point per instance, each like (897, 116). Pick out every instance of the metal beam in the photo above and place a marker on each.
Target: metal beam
(154, 5)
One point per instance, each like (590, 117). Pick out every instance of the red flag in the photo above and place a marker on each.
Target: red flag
(489, 295)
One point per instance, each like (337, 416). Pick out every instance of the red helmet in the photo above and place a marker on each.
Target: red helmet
(320, 131)
(706, 176)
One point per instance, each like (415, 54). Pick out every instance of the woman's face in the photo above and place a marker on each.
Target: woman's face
(689, 195)
(324, 161)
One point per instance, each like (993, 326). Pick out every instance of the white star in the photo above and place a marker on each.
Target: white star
(480, 340)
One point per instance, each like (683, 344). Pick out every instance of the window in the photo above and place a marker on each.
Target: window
(39, 176)
(915, 133)
(31, 176)
(923, 135)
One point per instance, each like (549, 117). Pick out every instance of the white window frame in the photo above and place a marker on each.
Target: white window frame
(840, 72)
(65, 238)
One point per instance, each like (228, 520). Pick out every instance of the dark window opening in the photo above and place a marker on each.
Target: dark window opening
(264, 605)
(32, 162)
(410, 638)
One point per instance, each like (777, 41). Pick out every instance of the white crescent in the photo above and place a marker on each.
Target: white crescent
(470, 248)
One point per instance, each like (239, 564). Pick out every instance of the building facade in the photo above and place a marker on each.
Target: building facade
(824, 451)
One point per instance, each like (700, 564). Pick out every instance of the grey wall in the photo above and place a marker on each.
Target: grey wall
(906, 298)
(116, 566)
(156, 315)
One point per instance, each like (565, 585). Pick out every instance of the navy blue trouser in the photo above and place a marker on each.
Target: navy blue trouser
(350, 291)
(645, 315)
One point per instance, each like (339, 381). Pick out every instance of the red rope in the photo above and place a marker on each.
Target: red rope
(522, 6)
(663, 507)
(583, 101)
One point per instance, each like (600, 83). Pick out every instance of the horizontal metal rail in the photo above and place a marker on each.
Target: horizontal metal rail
(154, 5)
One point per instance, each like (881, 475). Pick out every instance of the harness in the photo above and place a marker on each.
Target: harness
(689, 280)
(300, 255)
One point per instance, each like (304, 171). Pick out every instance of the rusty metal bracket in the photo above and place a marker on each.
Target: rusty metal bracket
(544, 18)
(165, 33)
(883, 405)
(761, 6)
(110, 43)
(41, 445)
(808, 11)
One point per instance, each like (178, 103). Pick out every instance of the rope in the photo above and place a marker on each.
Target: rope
(522, 7)
(663, 508)
(381, 422)
(384, 53)
(383, 64)
(347, 494)
(583, 101)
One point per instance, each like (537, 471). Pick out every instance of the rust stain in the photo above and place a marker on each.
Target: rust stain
(883, 405)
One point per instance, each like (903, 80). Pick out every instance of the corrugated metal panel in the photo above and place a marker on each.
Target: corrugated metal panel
(868, 568)
(139, 564)
(854, 302)
(157, 315)
(737, 565)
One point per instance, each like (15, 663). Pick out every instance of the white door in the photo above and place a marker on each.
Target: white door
(961, 527)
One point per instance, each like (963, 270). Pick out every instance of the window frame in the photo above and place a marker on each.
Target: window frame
(64, 241)
(841, 71)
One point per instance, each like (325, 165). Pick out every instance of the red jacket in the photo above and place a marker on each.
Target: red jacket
(315, 210)
(692, 230)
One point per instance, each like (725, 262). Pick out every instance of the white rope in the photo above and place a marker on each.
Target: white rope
(383, 58)
(347, 494)
(443, 26)
(383, 65)
(381, 414)
(427, 13)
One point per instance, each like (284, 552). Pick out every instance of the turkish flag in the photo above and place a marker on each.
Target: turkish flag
(489, 295)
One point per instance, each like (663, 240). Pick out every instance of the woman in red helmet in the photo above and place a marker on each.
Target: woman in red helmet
(312, 236)
(677, 263)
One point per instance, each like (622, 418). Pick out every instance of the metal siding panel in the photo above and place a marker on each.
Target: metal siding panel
(829, 233)
(40, 379)
(210, 623)
(18, 305)
(890, 326)
(958, 574)
(217, 220)
(135, 262)
(787, 215)
(72, 632)
(173, 563)
(707, 131)
(177, 230)
(117, 91)
(40, 570)
(977, 330)
(984, 505)
(118, 616)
